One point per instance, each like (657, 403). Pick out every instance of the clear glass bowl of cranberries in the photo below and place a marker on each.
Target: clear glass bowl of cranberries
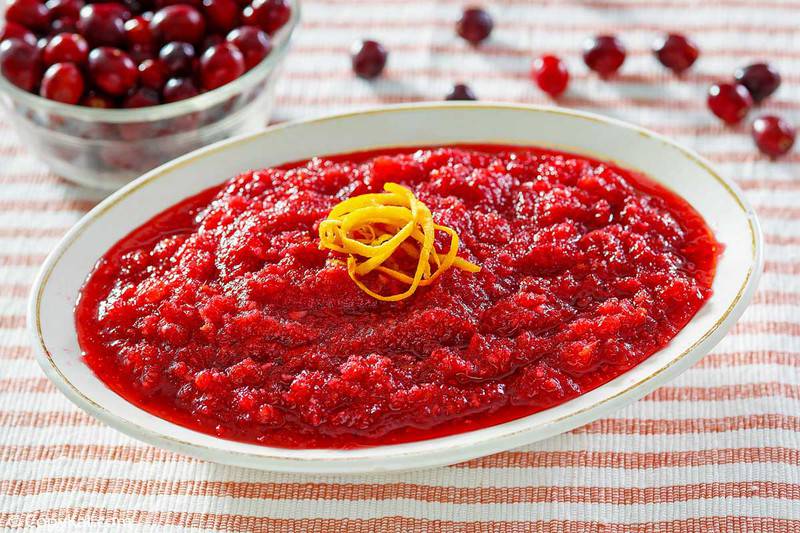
(105, 91)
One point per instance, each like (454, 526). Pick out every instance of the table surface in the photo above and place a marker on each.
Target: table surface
(718, 449)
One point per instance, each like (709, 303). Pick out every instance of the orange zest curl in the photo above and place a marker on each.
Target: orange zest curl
(370, 228)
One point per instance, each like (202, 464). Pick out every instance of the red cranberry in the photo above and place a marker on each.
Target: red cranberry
(142, 97)
(62, 82)
(20, 63)
(221, 15)
(63, 25)
(550, 74)
(178, 23)
(369, 59)
(12, 30)
(142, 52)
(152, 74)
(729, 101)
(252, 42)
(269, 15)
(179, 89)
(210, 41)
(177, 58)
(219, 65)
(66, 48)
(461, 91)
(29, 13)
(475, 25)
(604, 54)
(65, 8)
(676, 52)
(773, 135)
(112, 70)
(103, 24)
(761, 80)
(137, 31)
(97, 100)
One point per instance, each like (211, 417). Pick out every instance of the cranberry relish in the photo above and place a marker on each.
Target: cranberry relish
(223, 315)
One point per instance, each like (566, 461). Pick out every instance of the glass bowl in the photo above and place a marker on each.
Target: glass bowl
(106, 148)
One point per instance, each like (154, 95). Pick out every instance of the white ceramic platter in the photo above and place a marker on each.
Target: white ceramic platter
(717, 199)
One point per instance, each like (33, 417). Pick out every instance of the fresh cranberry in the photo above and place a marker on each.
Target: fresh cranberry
(179, 89)
(29, 13)
(141, 97)
(461, 91)
(20, 63)
(97, 100)
(773, 135)
(142, 52)
(761, 80)
(66, 47)
(112, 70)
(676, 52)
(178, 23)
(369, 59)
(221, 15)
(729, 101)
(12, 30)
(63, 25)
(550, 74)
(65, 8)
(269, 15)
(604, 54)
(252, 42)
(152, 74)
(62, 82)
(475, 25)
(103, 24)
(177, 58)
(137, 31)
(221, 64)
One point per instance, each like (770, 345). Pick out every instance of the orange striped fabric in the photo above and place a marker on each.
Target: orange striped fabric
(716, 450)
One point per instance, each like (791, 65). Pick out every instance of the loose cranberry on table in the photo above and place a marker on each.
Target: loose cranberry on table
(761, 80)
(475, 25)
(461, 91)
(729, 101)
(63, 82)
(550, 74)
(20, 63)
(178, 22)
(112, 70)
(604, 54)
(177, 58)
(12, 30)
(179, 89)
(269, 15)
(66, 47)
(676, 52)
(220, 64)
(368, 58)
(773, 135)
(103, 24)
(29, 13)
(254, 44)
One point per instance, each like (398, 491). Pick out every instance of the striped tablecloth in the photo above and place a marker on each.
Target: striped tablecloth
(716, 450)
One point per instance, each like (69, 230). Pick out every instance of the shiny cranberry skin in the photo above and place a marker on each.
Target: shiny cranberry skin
(550, 74)
(178, 23)
(461, 91)
(254, 44)
(676, 52)
(97, 100)
(773, 135)
(137, 31)
(65, 8)
(12, 30)
(729, 101)
(152, 74)
(475, 25)
(604, 54)
(269, 15)
(141, 97)
(29, 13)
(62, 82)
(761, 80)
(369, 59)
(219, 65)
(177, 58)
(20, 63)
(112, 70)
(103, 24)
(179, 89)
(221, 15)
(66, 48)
(63, 25)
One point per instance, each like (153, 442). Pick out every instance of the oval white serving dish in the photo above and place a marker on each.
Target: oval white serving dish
(51, 320)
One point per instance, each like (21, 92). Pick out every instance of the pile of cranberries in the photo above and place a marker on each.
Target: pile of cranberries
(605, 55)
(134, 53)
